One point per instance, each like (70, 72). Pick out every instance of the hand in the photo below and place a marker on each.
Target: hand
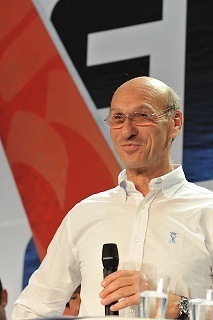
(122, 284)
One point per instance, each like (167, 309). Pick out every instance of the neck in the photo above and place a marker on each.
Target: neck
(142, 177)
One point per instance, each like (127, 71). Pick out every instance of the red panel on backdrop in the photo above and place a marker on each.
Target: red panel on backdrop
(56, 151)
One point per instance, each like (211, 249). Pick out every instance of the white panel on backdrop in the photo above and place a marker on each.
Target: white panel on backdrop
(48, 6)
(14, 233)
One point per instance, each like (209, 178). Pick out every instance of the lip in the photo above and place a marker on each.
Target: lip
(130, 147)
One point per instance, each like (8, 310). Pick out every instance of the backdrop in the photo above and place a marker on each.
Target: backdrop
(60, 62)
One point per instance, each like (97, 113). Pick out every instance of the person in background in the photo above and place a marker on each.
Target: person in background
(3, 302)
(73, 305)
(154, 215)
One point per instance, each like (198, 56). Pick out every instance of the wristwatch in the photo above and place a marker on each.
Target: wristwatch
(184, 308)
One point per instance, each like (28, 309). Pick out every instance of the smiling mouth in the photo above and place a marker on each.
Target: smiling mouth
(130, 146)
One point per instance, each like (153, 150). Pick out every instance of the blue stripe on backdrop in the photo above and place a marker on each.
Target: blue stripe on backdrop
(31, 262)
(198, 128)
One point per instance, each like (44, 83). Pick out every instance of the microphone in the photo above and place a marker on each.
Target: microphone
(110, 262)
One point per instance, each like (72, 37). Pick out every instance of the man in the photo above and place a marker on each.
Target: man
(154, 215)
(3, 302)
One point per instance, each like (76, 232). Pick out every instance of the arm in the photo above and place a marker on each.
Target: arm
(123, 285)
(51, 286)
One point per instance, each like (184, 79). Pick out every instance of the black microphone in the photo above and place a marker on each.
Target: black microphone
(110, 262)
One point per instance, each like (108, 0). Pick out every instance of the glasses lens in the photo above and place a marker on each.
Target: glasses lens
(115, 120)
(140, 118)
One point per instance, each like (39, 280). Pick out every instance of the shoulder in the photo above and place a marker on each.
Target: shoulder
(199, 190)
(199, 196)
(97, 200)
(104, 195)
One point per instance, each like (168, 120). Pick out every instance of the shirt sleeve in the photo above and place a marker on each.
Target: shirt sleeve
(51, 286)
(207, 226)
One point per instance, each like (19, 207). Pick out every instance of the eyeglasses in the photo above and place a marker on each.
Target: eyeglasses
(116, 120)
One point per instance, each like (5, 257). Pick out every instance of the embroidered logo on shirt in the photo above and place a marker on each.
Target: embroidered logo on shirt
(173, 236)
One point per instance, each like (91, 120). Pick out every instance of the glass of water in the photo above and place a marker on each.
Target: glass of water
(201, 302)
(153, 291)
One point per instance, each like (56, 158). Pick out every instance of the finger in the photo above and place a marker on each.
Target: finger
(117, 274)
(126, 302)
(115, 292)
(116, 295)
(121, 287)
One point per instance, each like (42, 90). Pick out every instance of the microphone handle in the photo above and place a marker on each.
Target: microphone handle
(108, 312)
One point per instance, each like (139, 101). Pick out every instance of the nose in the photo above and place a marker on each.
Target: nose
(129, 129)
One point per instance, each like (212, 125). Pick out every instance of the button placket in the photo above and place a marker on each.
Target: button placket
(139, 231)
(140, 227)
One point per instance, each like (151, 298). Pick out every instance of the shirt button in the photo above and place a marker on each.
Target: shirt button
(131, 310)
(137, 239)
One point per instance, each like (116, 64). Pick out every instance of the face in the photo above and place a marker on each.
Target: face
(145, 147)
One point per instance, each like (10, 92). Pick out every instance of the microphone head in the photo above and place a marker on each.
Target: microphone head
(110, 256)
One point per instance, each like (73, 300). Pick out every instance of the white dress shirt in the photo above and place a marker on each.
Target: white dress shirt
(170, 228)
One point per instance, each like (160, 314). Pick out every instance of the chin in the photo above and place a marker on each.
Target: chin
(133, 166)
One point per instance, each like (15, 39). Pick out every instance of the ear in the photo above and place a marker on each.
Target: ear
(4, 298)
(177, 123)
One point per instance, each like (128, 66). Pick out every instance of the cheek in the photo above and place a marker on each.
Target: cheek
(114, 138)
(164, 133)
(158, 140)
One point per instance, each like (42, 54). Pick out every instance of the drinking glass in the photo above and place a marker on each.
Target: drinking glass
(153, 291)
(201, 302)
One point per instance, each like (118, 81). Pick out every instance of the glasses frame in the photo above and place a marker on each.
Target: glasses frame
(130, 117)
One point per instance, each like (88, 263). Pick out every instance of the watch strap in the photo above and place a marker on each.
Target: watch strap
(184, 308)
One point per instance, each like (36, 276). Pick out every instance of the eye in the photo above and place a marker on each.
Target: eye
(141, 118)
(142, 115)
(118, 117)
(139, 115)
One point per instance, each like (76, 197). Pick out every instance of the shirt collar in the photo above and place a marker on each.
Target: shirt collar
(169, 183)
(127, 186)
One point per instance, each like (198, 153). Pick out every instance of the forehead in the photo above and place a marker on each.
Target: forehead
(131, 98)
(131, 109)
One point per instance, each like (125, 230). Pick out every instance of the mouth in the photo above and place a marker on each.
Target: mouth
(130, 147)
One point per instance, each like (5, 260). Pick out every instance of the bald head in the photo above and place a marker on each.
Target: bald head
(145, 81)
(150, 87)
